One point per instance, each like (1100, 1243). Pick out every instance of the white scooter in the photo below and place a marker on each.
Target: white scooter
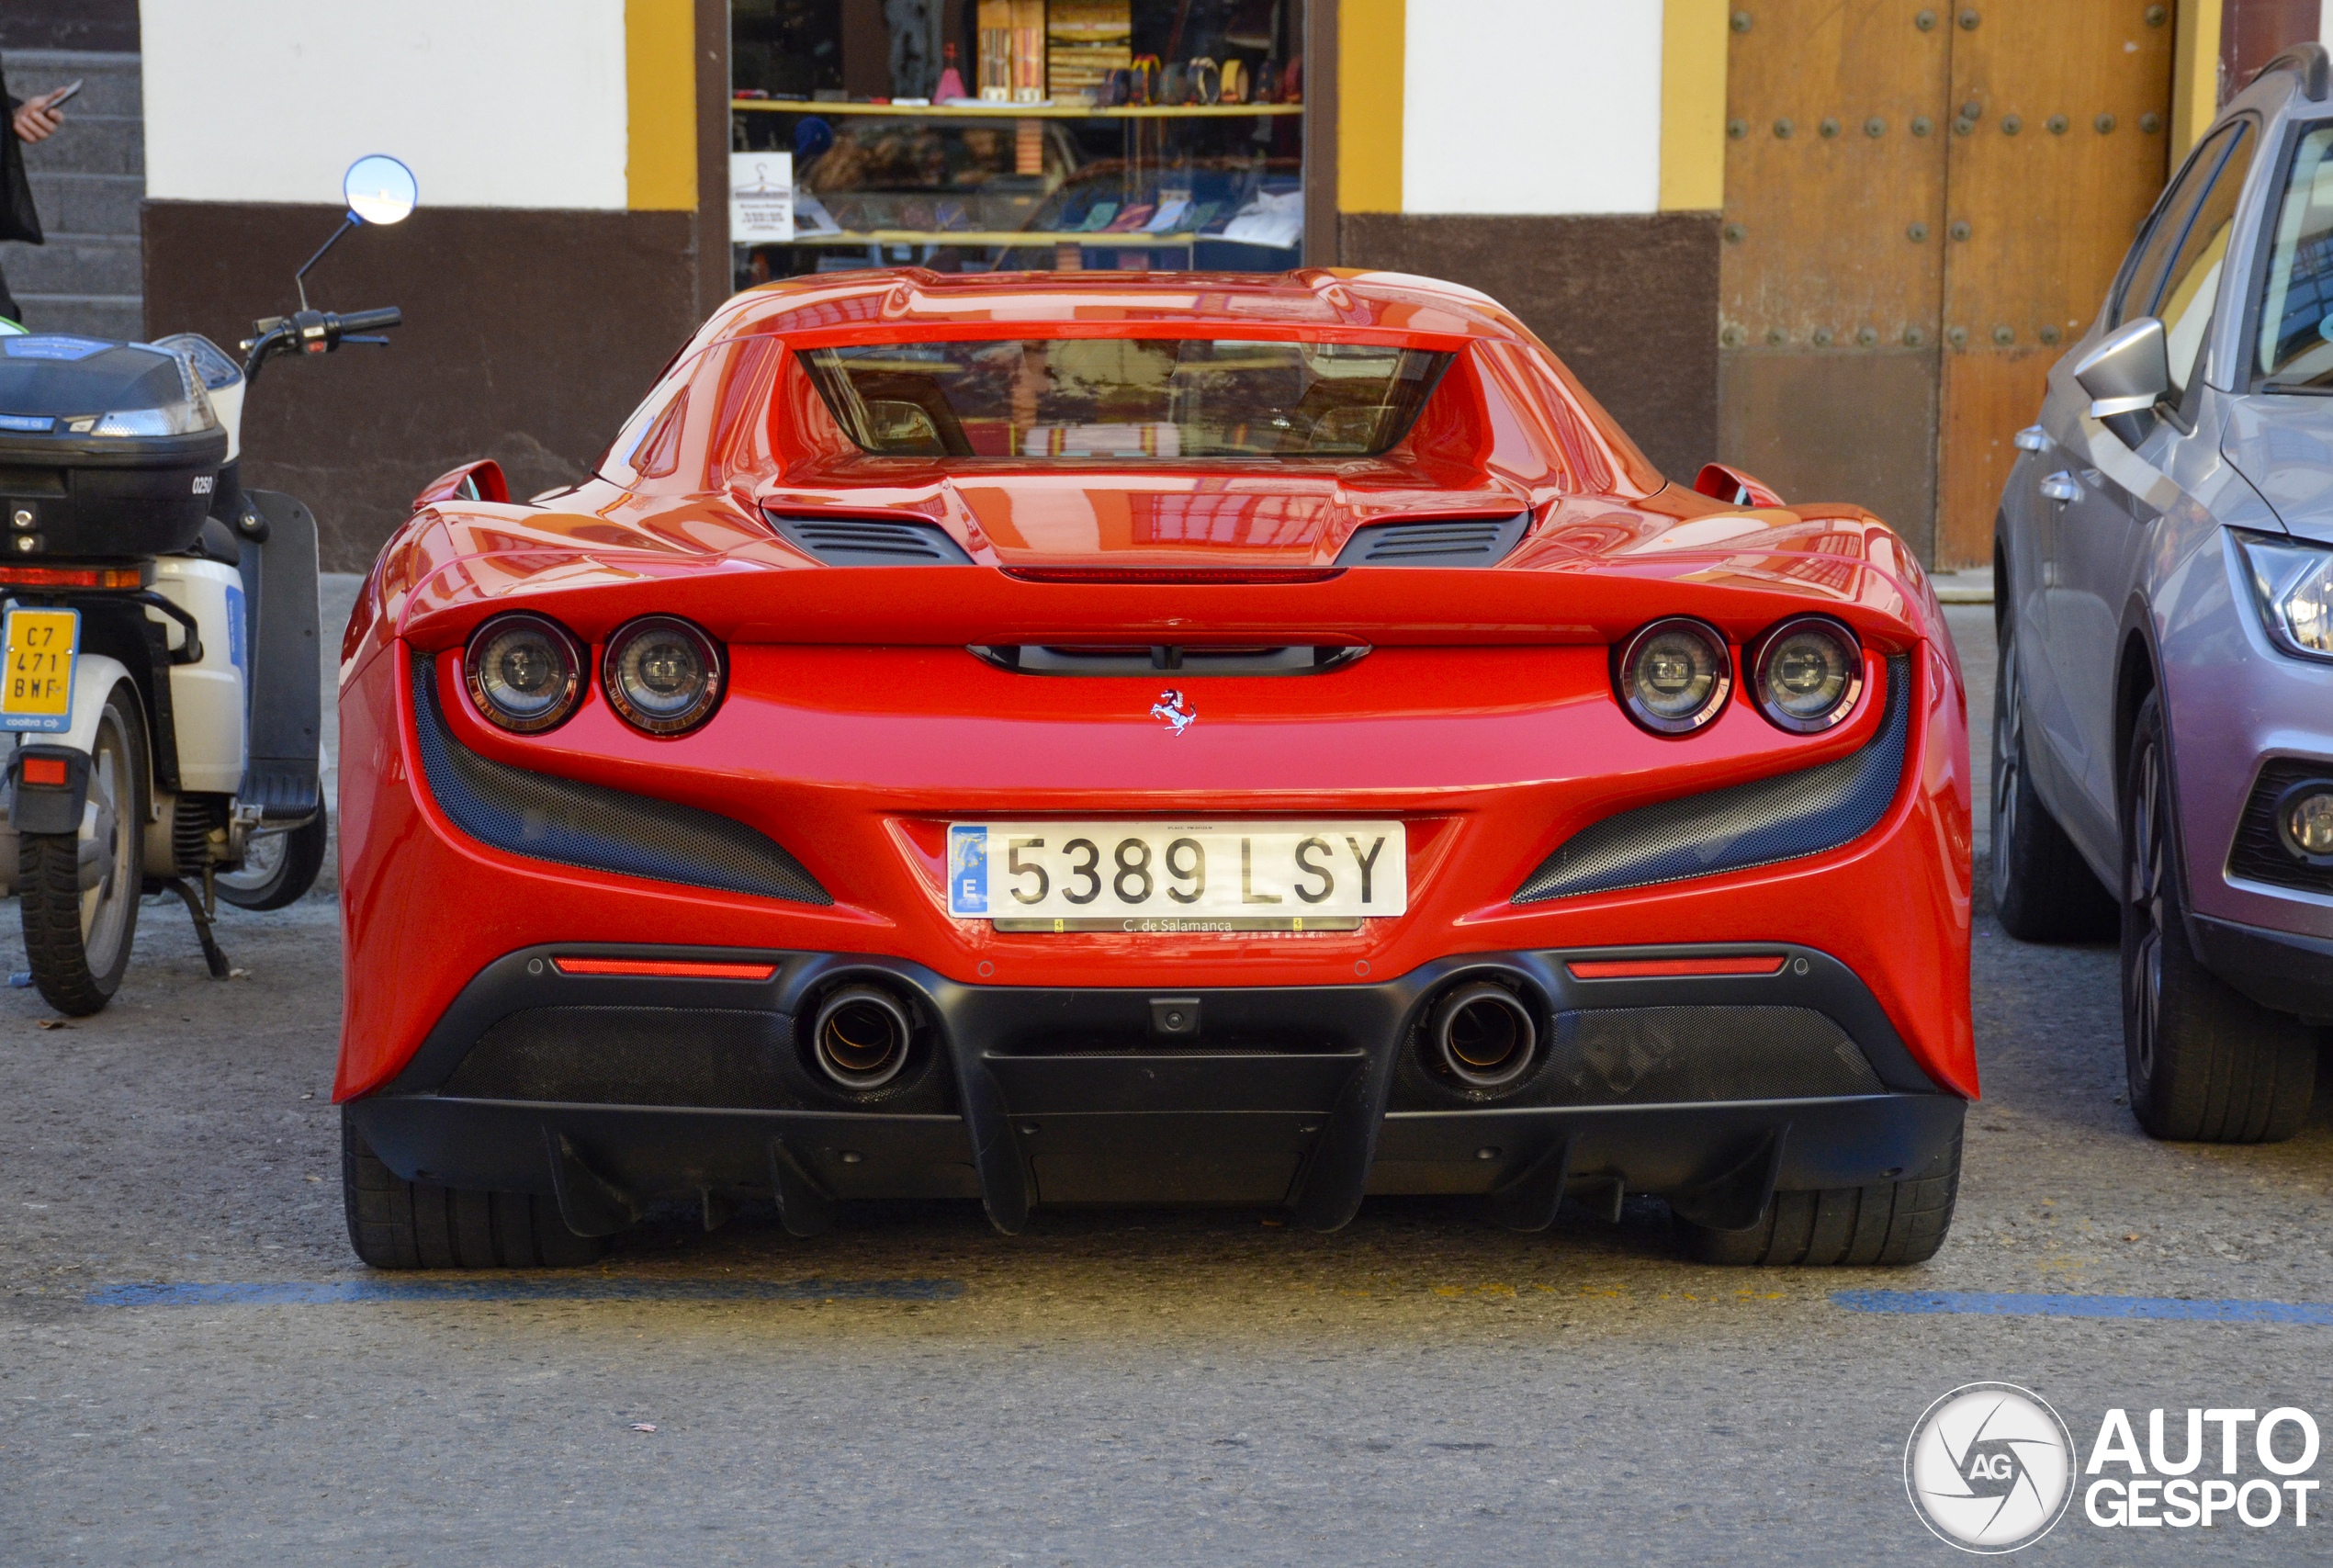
(159, 666)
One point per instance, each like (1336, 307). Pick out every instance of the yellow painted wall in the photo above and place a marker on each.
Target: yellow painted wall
(660, 89)
(2196, 73)
(1369, 52)
(1693, 105)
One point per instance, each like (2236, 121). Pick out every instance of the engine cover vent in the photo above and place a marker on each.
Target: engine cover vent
(1294, 659)
(870, 541)
(1442, 541)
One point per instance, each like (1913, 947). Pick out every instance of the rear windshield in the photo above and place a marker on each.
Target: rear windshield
(1124, 398)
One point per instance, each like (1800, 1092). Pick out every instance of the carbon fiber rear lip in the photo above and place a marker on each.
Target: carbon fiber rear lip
(1764, 822)
(566, 822)
(1160, 1108)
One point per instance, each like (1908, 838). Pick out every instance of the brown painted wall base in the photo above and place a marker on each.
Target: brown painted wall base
(528, 336)
(105, 25)
(1630, 303)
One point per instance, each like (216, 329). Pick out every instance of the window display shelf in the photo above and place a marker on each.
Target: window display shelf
(969, 109)
(966, 137)
(1123, 238)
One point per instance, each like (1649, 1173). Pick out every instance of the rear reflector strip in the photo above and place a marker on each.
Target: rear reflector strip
(664, 968)
(70, 576)
(45, 770)
(1664, 968)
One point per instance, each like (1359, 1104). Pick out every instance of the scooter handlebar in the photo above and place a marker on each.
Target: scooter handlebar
(371, 321)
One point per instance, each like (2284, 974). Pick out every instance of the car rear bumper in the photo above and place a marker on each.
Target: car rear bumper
(610, 1090)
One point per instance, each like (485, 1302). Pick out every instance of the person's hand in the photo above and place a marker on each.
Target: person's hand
(36, 121)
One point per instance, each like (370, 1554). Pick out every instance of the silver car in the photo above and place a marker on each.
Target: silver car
(2163, 718)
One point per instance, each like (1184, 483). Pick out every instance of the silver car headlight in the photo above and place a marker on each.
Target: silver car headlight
(2292, 585)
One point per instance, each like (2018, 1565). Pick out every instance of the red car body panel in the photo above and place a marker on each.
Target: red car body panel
(855, 723)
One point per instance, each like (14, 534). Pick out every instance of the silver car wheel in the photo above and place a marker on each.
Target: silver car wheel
(2008, 762)
(2146, 870)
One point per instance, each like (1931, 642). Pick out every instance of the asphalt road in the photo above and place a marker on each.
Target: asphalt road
(1123, 1388)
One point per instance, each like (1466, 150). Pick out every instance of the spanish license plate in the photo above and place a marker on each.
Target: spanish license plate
(1170, 877)
(38, 646)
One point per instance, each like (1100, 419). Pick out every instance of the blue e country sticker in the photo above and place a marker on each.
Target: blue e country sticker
(37, 650)
(967, 868)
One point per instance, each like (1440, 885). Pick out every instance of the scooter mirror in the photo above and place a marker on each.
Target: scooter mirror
(380, 189)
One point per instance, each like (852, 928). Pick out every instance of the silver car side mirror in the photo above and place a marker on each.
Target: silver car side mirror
(2124, 376)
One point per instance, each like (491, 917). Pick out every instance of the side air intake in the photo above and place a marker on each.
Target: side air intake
(870, 541)
(1448, 541)
(1768, 821)
(567, 822)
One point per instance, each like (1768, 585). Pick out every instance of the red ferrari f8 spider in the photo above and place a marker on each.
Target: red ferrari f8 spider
(1146, 739)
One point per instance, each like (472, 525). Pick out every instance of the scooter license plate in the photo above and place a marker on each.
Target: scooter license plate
(37, 646)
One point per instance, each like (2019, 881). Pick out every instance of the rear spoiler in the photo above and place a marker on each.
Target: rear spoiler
(756, 596)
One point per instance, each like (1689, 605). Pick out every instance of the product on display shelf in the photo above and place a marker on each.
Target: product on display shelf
(1085, 42)
(1271, 218)
(1012, 51)
(950, 87)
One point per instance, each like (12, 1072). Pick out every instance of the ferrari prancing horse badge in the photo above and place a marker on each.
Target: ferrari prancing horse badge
(1169, 706)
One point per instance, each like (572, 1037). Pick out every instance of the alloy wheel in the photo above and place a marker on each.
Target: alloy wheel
(111, 829)
(2008, 763)
(263, 863)
(2146, 866)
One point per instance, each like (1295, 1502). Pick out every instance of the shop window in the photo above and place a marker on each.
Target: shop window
(1015, 135)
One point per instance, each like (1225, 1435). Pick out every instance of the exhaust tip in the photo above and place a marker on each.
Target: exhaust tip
(1482, 1036)
(860, 1037)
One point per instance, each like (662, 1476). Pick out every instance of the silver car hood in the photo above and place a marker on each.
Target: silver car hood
(2282, 445)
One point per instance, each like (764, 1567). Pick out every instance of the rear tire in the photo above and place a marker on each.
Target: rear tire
(1888, 1223)
(2043, 889)
(2207, 1064)
(279, 868)
(397, 1224)
(78, 942)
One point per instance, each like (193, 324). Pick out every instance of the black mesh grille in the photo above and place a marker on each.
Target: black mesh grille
(570, 823)
(2258, 853)
(586, 1055)
(870, 541)
(1759, 823)
(726, 1058)
(1449, 541)
(1662, 1055)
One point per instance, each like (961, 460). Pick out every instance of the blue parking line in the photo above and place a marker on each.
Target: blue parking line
(2002, 1304)
(551, 1288)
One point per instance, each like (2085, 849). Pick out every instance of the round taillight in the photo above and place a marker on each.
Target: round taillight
(525, 672)
(662, 674)
(1674, 675)
(1808, 674)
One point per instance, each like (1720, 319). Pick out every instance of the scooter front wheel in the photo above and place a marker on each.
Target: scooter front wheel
(278, 869)
(79, 891)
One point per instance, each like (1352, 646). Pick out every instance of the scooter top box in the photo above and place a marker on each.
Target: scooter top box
(107, 449)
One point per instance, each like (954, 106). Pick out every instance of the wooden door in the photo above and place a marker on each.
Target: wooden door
(1920, 202)
(2059, 145)
(1832, 274)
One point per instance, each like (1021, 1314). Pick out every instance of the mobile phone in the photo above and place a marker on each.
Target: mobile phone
(63, 93)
